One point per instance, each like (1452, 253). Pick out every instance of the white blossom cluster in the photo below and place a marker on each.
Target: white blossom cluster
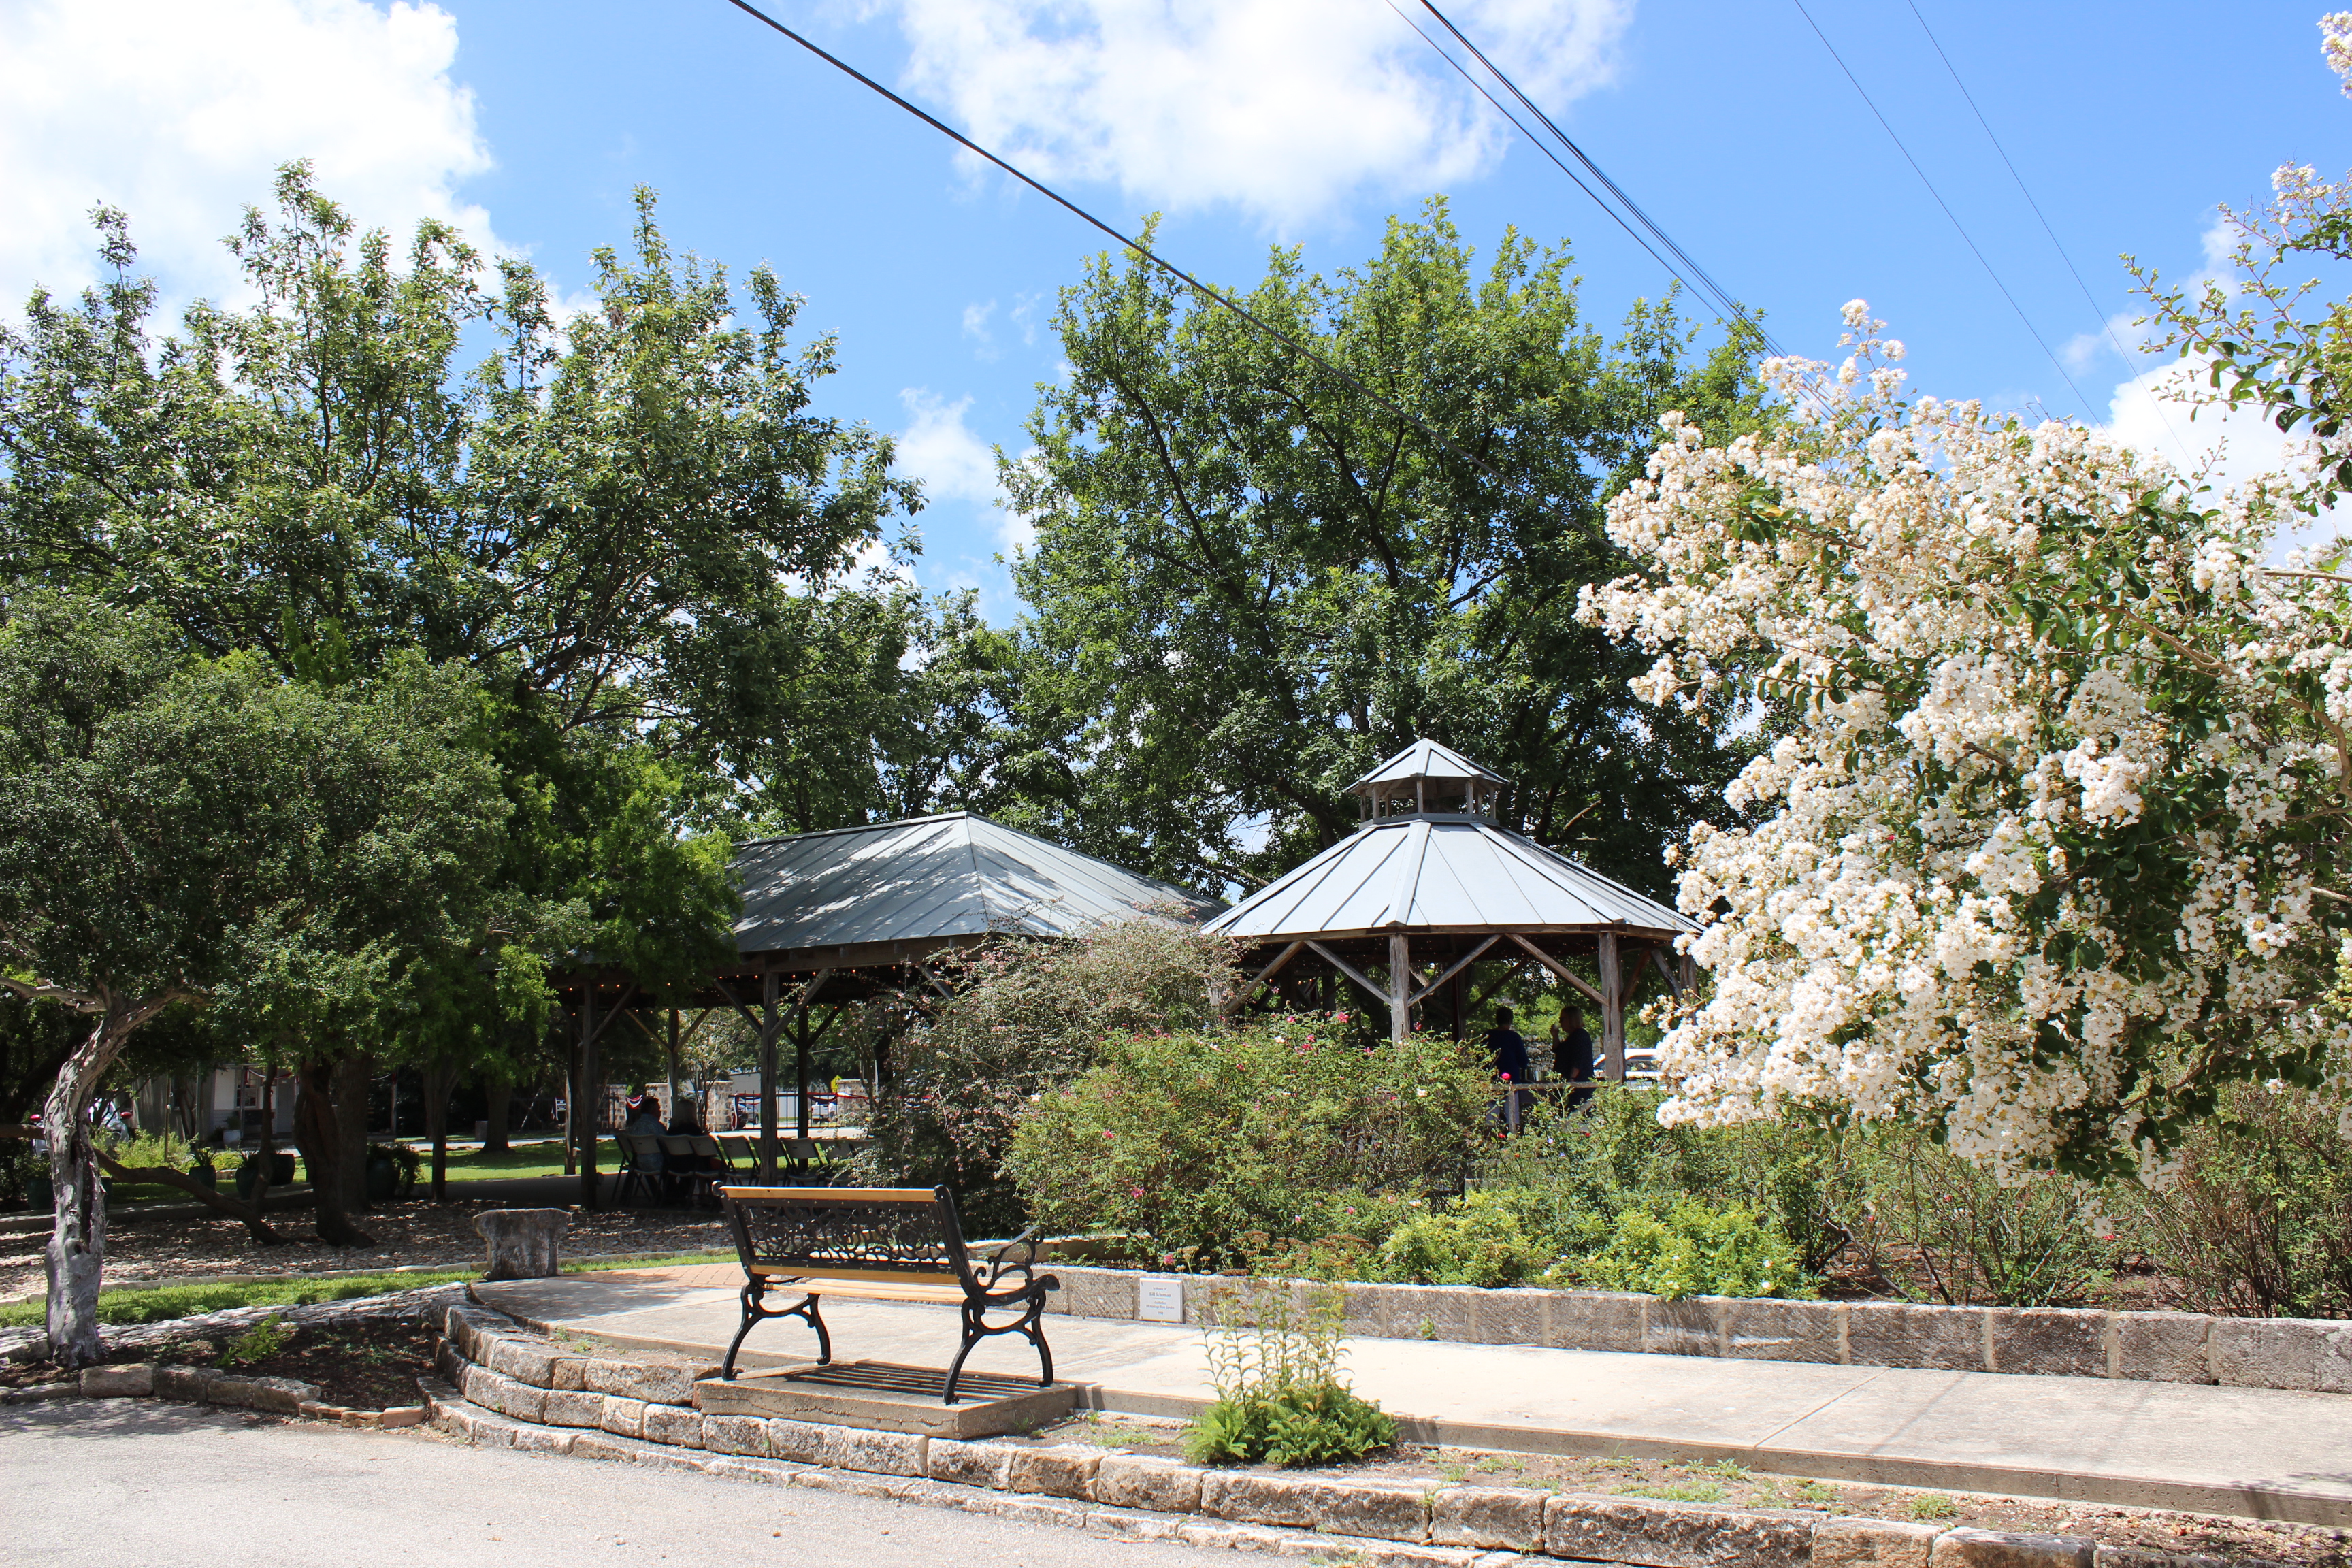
(2050, 841)
(2335, 44)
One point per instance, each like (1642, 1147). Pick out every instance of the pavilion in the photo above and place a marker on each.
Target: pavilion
(1428, 885)
(833, 917)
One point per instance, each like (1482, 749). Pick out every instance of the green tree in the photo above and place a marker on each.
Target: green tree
(1251, 582)
(177, 829)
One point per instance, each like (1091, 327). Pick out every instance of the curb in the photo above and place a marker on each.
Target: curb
(2301, 1354)
(500, 1388)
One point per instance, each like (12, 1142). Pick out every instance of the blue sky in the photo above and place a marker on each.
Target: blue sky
(1305, 121)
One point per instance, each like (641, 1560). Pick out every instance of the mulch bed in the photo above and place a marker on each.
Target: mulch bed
(367, 1364)
(2239, 1540)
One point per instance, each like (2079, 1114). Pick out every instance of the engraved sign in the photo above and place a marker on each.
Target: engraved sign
(1160, 1299)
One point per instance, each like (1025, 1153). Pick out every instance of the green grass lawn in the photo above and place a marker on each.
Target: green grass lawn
(526, 1159)
(159, 1303)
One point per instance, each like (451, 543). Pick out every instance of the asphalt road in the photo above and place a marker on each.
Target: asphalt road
(130, 1483)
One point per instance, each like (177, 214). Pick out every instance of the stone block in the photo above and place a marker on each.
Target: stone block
(1672, 1535)
(1435, 1312)
(1512, 1316)
(1131, 1480)
(1872, 1543)
(678, 1428)
(526, 1361)
(496, 1391)
(1689, 1327)
(876, 1452)
(607, 1447)
(2000, 1549)
(2050, 1341)
(767, 1472)
(1131, 1525)
(278, 1395)
(564, 1407)
(1504, 1517)
(2149, 1557)
(2162, 1347)
(969, 1464)
(1597, 1319)
(1366, 1311)
(654, 1385)
(743, 1435)
(1254, 1500)
(543, 1440)
(525, 1244)
(2335, 1359)
(399, 1415)
(1206, 1295)
(1093, 1293)
(192, 1384)
(622, 1417)
(856, 1483)
(1896, 1333)
(1063, 1470)
(1389, 1511)
(1239, 1537)
(797, 1440)
(1381, 1554)
(1060, 1512)
(2266, 1353)
(482, 1429)
(568, 1372)
(1763, 1329)
(134, 1382)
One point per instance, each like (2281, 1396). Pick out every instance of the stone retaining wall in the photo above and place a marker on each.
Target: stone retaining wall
(506, 1389)
(2308, 1354)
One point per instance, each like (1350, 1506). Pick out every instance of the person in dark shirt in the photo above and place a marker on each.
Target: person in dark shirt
(1571, 1055)
(1509, 1054)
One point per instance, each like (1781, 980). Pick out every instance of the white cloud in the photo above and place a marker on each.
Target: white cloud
(2231, 445)
(940, 450)
(1282, 110)
(975, 326)
(180, 113)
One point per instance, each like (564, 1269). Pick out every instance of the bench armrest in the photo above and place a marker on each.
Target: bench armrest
(1000, 1262)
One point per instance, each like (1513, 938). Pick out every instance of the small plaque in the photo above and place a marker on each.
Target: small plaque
(1160, 1299)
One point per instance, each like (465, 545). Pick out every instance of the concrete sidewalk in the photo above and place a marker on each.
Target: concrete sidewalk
(2265, 1453)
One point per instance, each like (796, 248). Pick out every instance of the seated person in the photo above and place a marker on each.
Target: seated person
(645, 1121)
(685, 1125)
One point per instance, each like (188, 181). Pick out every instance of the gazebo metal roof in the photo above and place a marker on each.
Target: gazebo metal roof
(1427, 759)
(831, 899)
(1442, 873)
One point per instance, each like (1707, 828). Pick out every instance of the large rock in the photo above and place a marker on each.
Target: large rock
(525, 1244)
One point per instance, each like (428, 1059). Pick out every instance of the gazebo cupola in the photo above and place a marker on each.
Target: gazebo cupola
(1426, 779)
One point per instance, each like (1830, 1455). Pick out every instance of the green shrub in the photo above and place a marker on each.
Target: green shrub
(1695, 1249)
(1478, 1241)
(258, 1344)
(2260, 1221)
(1939, 1228)
(1212, 1141)
(1027, 1018)
(1275, 1364)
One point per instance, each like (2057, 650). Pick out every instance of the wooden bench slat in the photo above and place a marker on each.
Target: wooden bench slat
(874, 1276)
(922, 1196)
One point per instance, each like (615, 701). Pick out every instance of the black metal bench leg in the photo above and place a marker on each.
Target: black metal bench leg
(751, 1314)
(974, 1330)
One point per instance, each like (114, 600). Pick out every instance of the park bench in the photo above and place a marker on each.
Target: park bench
(790, 1236)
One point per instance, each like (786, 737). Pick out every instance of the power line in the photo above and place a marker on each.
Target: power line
(1706, 287)
(1956, 225)
(1215, 296)
(1540, 145)
(2055, 244)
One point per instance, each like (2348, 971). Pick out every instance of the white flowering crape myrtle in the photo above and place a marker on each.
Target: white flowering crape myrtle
(2049, 842)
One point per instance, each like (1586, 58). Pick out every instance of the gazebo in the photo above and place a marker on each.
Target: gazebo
(1427, 886)
(833, 917)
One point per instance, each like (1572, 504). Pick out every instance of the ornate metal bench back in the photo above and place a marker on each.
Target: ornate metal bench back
(817, 1231)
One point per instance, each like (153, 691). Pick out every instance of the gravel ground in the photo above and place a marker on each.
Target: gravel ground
(410, 1233)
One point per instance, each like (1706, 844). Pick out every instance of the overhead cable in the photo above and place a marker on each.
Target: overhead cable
(1689, 272)
(2055, 244)
(1961, 229)
(1215, 296)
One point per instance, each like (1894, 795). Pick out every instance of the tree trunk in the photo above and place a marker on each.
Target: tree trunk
(266, 1155)
(165, 1176)
(498, 1100)
(319, 1133)
(352, 1076)
(588, 1113)
(77, 1249)
(439, 1081)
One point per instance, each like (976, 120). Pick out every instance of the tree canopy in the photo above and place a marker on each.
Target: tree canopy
(1251, 580)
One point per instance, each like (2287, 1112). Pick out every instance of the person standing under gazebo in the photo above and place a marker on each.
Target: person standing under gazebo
(1508, 1051)
(1571, 1056)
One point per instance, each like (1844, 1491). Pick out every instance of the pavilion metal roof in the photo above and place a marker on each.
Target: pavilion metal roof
(933, 878)
(1441, 873)
(1427, 758)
